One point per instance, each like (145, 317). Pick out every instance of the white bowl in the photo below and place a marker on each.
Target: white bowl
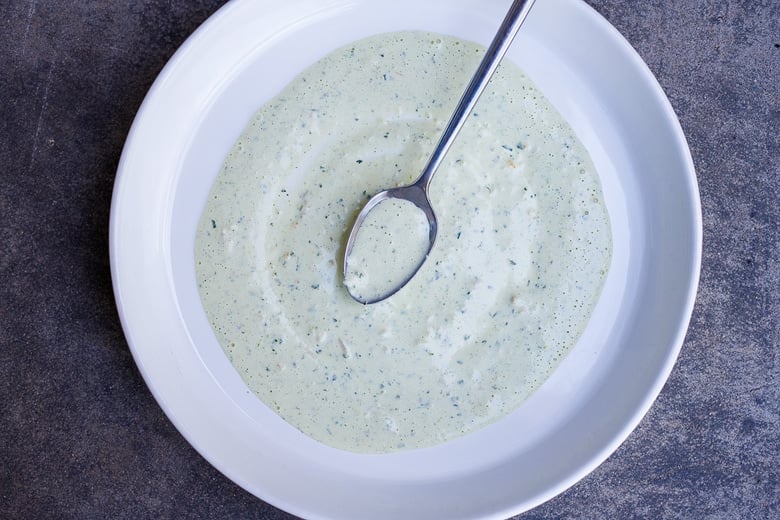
(198, 106)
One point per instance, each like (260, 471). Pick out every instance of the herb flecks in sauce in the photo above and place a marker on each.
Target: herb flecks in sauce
(523, 247)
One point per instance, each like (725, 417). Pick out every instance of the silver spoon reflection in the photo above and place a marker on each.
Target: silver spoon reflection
(417, 192)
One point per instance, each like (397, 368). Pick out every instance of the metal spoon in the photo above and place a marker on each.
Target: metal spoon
(417, 192)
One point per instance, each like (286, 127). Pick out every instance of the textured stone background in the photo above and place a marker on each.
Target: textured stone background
(82, 437)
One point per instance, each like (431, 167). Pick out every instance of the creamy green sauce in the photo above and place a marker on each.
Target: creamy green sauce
(390, 244)
(523, 247)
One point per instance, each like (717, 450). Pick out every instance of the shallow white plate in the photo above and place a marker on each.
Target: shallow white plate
(194, 112)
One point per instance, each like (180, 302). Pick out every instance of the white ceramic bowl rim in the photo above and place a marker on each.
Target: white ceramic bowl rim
(198, 106)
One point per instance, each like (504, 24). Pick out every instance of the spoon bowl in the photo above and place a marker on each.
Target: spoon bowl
(417, 194)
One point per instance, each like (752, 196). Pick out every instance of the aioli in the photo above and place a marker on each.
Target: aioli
(523, 247)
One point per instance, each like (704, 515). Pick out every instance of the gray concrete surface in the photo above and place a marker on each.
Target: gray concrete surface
(82, 437)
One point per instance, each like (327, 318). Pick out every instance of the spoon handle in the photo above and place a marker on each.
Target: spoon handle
(498, 47)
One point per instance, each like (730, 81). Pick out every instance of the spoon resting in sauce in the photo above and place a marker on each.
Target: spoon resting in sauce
(367, 244)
